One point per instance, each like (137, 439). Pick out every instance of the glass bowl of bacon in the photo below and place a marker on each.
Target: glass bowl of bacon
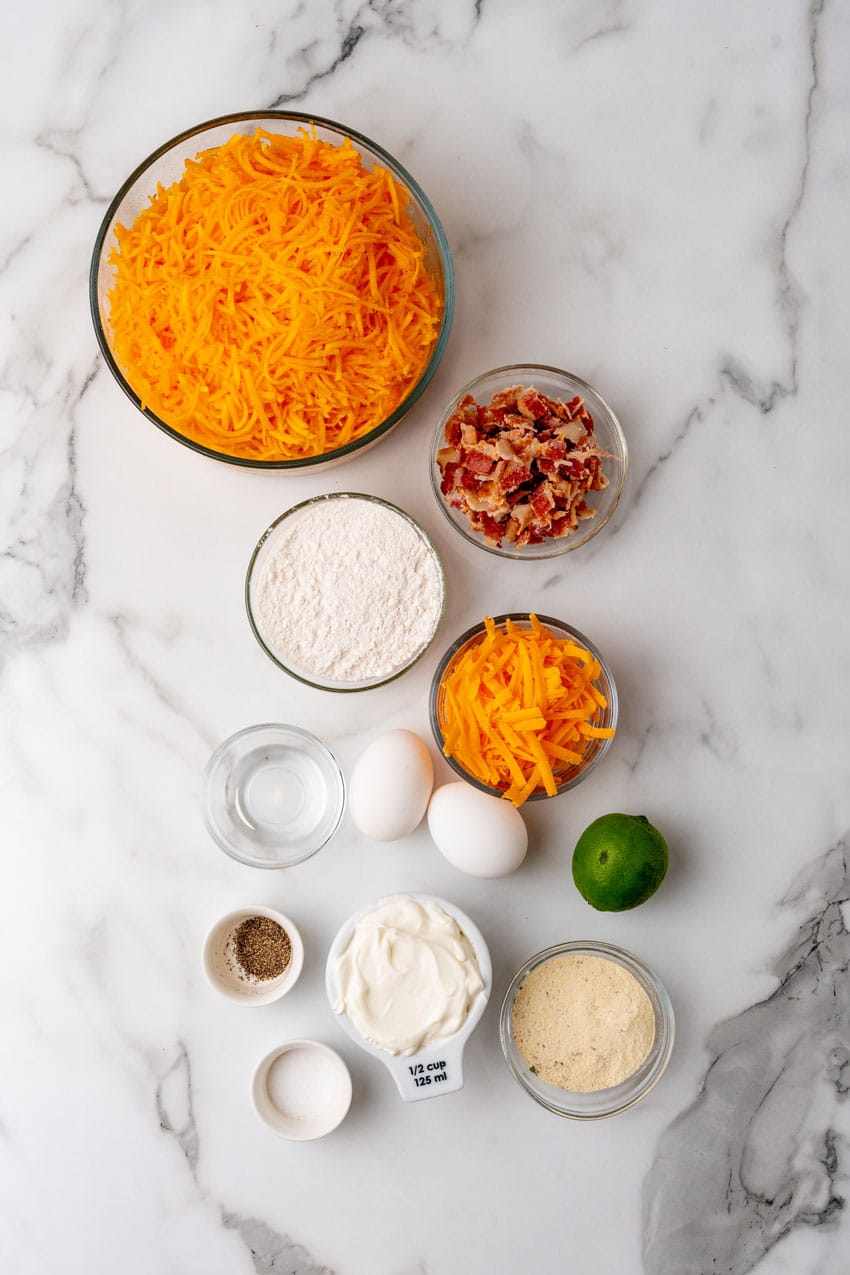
(528, 461)
(272, 290)
(523, 706)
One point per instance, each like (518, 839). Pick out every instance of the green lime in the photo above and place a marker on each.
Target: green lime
(619, 861)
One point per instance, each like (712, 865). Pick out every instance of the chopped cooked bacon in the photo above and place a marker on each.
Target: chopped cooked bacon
(572, 431)
(514, 476)
(532, 404)
(542, 501)
(520, 468)
(505, 450)
(448, 481)
(492, 529)
(478, 462)
(504, 398)
(467, 409)
(453, 434)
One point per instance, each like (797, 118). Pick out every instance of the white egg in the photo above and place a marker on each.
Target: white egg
(482, 835)
(390, 786)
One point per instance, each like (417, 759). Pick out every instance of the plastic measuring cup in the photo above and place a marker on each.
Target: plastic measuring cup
(438, 1069)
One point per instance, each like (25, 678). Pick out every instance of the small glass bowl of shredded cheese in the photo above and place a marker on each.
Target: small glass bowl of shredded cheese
(586, 1029)
(523, 706)
(272, 289)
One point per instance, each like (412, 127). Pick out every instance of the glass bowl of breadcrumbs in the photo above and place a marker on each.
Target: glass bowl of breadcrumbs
(587, 1029)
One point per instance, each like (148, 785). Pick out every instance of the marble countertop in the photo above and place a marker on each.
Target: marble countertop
(654, 196)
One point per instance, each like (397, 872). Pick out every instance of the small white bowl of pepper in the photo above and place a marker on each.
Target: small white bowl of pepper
(253, 956)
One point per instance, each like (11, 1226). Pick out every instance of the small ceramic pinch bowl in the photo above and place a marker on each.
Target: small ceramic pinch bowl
(437, 1069)
(597, 1104)
(556, 384)
(302, 1090)
(224, 972)
(272, 795)
(570, 773)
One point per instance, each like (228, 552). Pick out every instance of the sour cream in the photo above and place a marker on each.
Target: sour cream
(408, 976)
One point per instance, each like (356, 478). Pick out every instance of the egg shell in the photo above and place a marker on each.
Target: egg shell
(481, 835)
(391, 785)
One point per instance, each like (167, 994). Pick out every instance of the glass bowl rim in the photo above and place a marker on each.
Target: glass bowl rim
(314, 500)
(665, 1022)
(336, 779)
(561, 544)
(478, 629)
(306, 463)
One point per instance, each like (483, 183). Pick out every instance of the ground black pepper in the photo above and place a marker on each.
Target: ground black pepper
(262, 947)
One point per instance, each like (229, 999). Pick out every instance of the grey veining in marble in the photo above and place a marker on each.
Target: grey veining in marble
(271, 1253)
(656, 197)
(765, 1148)
(350, 25)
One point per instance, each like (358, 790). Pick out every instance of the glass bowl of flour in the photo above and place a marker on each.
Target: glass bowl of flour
(345, 592)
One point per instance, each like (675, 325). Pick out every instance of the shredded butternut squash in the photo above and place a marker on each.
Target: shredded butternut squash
(517, 709)
(273, 303)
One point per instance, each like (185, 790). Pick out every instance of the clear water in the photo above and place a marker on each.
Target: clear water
(278, 793)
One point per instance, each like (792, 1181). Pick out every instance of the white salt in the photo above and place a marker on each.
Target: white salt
(301, 1083)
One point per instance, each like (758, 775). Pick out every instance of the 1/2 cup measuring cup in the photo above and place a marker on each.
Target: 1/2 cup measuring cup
(437, 1069)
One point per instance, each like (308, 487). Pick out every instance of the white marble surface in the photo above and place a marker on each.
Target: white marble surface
(656, 197)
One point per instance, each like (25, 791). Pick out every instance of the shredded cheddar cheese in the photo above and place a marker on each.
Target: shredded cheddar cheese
(273, 303)
(517, 708)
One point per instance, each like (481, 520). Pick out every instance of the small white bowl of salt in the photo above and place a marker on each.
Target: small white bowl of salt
(302, 1090)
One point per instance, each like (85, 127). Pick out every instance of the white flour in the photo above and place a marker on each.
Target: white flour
(346, 591)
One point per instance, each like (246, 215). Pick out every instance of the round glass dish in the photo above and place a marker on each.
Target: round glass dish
(165, 166)
(601, 1102)
(272, 795)
(556, 384)
(427, 619)
(595, 749)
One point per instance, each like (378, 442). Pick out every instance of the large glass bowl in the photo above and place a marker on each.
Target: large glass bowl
(555, 384)
(601, 1102)
(165, 166)
(606, 718)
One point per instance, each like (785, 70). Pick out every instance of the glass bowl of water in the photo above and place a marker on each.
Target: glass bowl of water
(272, 795)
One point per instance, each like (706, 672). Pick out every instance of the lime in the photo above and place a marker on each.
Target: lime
(619, 861)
